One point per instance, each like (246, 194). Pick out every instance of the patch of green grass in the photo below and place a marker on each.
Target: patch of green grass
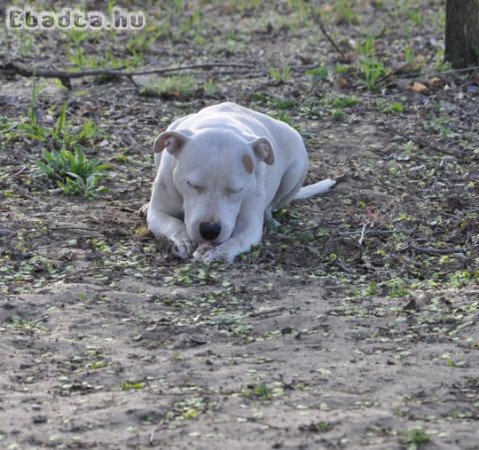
(285, 118)
(416, 17)
(398, 288)
(211, 88)
(440, 64)
(7, 125)
(285, 74)
(63, 134)
(188, 274)
(440, 125)
(416, 437)
(100, 245)
(98, 365)
(187, 409)
(463, 278)
(338, 115)
(142, 41)
(67, 163)
(132, 385)
(345, 101)
(21, 324)
(409, 55)
(367, 47)
(386, 107)
(373, 70)
(372, 289)
(73, 172)
(175, 86)
(318, 74)
(77, 36)
(344, 12)
(259, 391)
(25, 42)
(274, 102)
(397, 107)
(107, 60)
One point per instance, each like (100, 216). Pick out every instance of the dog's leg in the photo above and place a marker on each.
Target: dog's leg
(143, 211)
(161, 223)
(269, 220)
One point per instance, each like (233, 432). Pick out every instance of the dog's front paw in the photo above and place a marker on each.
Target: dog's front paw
(143, 211)
(221, 253)
(182, 246)
(201, 250)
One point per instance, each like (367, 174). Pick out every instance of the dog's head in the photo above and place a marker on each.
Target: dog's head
(216, 172)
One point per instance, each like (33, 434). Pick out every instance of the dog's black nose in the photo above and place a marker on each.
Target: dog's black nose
(210, 231)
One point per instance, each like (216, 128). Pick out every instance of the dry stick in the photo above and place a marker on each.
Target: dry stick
(393, 72)
(444, 72)
(16, 69)
(266, 311)
(326, 34)
(363, 231)
(436, 251)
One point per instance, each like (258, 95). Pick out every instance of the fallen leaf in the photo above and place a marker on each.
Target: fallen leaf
(418, 87)
(434, 82)
(342, 83)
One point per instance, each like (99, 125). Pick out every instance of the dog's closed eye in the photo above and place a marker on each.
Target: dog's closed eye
(197, 188)
(233, 191)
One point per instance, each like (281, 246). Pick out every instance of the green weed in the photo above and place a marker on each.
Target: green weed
(440, 64)
(416, 437)
(367, 47)
(175, 86)
(132, 385)
(77, 36)
(338, 115)
(416, 17)
(21, 324)
(62, 134)
(107, 60)
(439, 125)
(318, 74)
(285, 118)
(260, 391)
(344, 12)
(345, 101)
(373, 70)
(73, 172)
(283, 75)
(142, 41)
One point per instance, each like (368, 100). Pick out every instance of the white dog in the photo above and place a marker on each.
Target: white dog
(225, 170)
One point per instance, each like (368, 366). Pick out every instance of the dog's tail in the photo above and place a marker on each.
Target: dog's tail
(320, 187)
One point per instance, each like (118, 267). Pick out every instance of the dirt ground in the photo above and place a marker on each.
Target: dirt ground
(353, 325)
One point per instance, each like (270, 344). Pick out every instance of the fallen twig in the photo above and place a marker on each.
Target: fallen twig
(363, 234)
(267, 311)
(436, 251)
(11, 68)
(338, 263)
(393, 72)
(336, 47)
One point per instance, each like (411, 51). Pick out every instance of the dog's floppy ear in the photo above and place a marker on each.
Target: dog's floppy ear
(264, 150)
(172, 141)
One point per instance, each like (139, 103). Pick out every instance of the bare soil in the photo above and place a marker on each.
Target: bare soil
(353, 325)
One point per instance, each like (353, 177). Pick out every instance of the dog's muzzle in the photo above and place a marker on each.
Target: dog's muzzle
(210, 231)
